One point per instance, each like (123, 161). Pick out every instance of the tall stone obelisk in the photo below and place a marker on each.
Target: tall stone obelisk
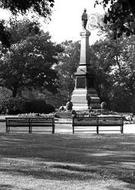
(84, 95)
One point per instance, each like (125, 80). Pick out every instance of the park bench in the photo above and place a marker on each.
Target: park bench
(30, 123)
(97, 121)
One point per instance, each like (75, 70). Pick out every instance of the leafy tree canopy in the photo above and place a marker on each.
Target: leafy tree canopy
(29, 61)
(14, 31)
(115, 72)
(68, 62)
(41, 7)
(120, 16)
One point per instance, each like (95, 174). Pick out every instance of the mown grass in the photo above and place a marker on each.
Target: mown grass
(60, 161)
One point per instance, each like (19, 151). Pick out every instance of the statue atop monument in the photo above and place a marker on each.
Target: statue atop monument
(84, 18)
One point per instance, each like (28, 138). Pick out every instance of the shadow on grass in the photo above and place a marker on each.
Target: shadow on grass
(130, 186)
(5, 187)
(9, 187)
(69, 156)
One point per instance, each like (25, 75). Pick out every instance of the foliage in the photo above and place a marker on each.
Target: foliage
(55, 99)
(22, 29)
(4, 93)
(37, 115)
(68, 62)
(120, 16)
(38, 106)
(105, 54)
(115, 72)
(12, 105)
(29, 62)
(4, 35)
(20, 105)
(121, 100)
(41, 7)
(13, 31)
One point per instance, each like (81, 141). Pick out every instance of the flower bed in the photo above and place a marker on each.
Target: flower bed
(50, 115)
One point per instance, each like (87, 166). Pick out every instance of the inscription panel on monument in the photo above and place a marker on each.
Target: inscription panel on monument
(80, 82)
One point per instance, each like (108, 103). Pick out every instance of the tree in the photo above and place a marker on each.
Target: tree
(41, 7)
(120, 16)
(21, 29)
(29, 63)
(14, 31)
(115, 72)
(68, 62)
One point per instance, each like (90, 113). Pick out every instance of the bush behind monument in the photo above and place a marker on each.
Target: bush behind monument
(20, 105)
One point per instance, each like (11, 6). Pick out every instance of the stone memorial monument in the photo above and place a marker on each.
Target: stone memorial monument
(84, 96)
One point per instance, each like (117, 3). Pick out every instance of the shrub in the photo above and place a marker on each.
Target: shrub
(38, 106)
(21, 105)
(12, 105)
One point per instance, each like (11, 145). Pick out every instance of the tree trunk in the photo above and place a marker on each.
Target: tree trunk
(14, 92)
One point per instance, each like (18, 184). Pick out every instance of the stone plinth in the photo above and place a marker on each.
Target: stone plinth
(79, 99)
(83, 99)
(94, 99)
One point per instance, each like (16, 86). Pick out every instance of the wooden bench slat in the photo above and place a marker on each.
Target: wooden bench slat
(29, 122)
(97, 122)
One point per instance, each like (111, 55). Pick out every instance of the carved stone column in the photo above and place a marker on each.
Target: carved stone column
(84, 95)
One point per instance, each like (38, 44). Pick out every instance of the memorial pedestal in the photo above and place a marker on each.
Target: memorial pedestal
(84, 95)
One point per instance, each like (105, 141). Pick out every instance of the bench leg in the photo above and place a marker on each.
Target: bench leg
(73, 129)
(121, 129)
(7, 129)
(97, 129)
(30, 129)
(53, 129)
(30, 126)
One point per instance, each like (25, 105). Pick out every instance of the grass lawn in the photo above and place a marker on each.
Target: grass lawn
(66, 161)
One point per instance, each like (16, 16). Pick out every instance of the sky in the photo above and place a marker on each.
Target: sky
(65, 21)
